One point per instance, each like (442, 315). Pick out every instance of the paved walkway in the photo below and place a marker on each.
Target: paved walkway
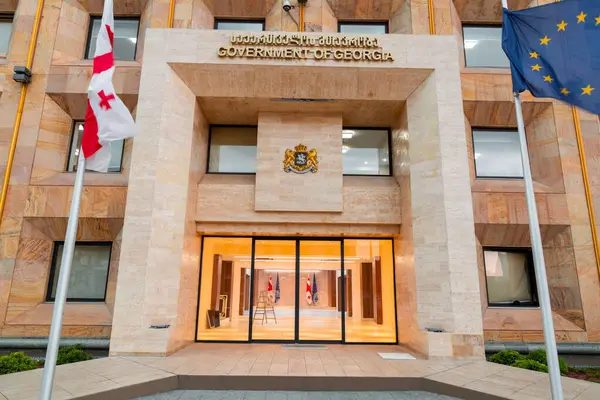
(280, 395)
(269, 367)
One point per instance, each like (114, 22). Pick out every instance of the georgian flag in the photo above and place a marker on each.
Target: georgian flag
(308, 292)
(106, 119)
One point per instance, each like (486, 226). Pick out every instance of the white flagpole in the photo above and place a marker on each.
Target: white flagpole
(538, 262)
(538, 257)
(63, 283)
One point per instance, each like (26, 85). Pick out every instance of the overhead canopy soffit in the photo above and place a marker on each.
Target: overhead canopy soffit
(364, 96)
(300, 82)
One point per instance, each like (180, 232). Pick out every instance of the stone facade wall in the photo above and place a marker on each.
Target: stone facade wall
(40, 190)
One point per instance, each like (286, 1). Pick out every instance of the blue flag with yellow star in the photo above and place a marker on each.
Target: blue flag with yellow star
(554, 51)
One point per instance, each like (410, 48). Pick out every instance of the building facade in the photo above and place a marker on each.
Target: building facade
(343, 171)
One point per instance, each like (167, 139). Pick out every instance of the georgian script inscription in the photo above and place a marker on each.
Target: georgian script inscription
(304, 47)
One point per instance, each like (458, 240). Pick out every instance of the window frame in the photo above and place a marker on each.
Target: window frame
(488, 129)
(234, 20)
(480, 25)
(389, 141)
(89, 35)
(385, 23)
(530, 270)
(53, 266)
(66, 168)
(8, 17)
(210, 128)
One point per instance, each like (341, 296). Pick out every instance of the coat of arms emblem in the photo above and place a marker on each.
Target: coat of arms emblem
(300, 160)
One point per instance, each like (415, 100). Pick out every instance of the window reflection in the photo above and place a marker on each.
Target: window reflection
(497, 154)
(366, 28)
(365, 151)
(232, 149)
(483, 47)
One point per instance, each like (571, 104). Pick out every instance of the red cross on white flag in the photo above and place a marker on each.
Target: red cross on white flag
(106, 119)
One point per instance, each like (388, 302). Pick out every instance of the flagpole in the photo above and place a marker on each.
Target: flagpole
(538, 261)
(538, 257)
(63, 283)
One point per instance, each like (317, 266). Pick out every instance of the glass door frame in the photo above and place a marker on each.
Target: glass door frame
(297, 241)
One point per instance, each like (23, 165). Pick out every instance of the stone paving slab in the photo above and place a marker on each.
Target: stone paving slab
(264, 367)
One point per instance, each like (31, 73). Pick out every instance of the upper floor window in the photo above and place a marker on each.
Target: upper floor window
(483, 47)
(232, 149)
(363, 28)
(126, 34)
(116, 149)
(497, 153)
(366, 151)
(239, 25)
(89, 271)
(6, 22)
(510, 277)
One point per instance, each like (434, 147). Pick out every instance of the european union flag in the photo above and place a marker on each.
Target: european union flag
(554, 51)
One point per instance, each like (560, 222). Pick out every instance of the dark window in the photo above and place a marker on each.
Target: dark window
(6, 22)
(232, 149)
(510, 277)
(116, 150)
(126, 35)
(483, 47)
(89, 271)
(497, 153)
(363, 28)
(239, 25)
(366, 151)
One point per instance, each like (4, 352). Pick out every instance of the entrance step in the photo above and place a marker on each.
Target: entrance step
(286, 395)
(331, 384)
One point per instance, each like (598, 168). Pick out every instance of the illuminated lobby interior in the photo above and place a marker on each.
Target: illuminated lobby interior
(368, 303)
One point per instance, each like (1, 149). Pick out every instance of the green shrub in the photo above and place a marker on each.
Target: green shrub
(72, 354)
(506, 357)
(540, 356)
(531, 364)
(16, 362)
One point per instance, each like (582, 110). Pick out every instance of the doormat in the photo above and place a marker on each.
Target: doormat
(304, 347)
(396, 356)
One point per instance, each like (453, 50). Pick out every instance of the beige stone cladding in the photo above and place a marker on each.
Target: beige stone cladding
(440, 275)
(442, 230)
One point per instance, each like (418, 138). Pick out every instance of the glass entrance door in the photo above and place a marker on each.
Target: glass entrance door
(319, 296)
(274, 290)
(297, 289)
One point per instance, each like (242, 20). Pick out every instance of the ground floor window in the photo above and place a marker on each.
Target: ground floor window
(510, 278)
(89, 271)
(297, 289)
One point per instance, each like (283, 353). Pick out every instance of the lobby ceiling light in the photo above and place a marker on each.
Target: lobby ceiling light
(347, 134)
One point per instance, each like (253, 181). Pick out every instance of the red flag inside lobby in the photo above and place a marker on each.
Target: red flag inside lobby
(106, 119)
